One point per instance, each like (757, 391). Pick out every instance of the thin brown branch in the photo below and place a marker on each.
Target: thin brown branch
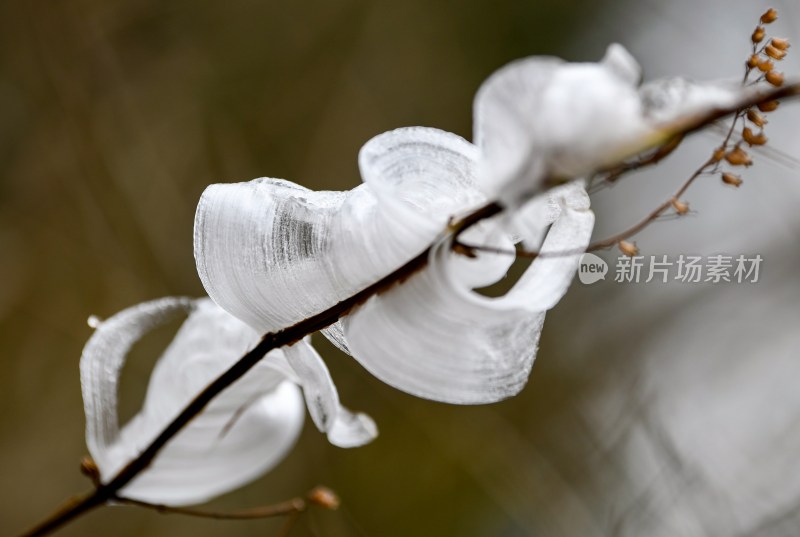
(693, 124)
(293, 506)
(269, 342)
(654, 214)
(652, 159)
(739, 113)
(604, 243)
(709, 166)
(607, 242)
(291, 520)
(296, 332)
(70, 510)
(690, 125)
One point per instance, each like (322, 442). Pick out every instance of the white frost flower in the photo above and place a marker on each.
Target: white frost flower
(542, 117)
(241, 434)
(273, 253)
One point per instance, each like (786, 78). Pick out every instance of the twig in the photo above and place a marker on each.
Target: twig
(709, 166)
(654, 214)
(654, 158)
(108, 491)
(604, 243)
(291, 520)
(293, 506)
(269, 342)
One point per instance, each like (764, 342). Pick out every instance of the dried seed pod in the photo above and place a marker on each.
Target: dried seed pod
(730, 179)
(680, 207)
(758, 34)
(768, 106)
(89, 469)
(719, 154)
(774, 53)
(765, 65)
(769, 16)
(757, 119)
(324, 497)
(780, 43)
(775, 78)
(752, 138)
(628, 248)
(752, 61)
(738, 157)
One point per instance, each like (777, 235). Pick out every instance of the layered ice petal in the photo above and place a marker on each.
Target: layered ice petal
(667, 100)
(101, 364)
(242, 433)
(436, 338)
(214, 455)
(540, 117)
(507, 129)
(344, 428)
(273, 253)
(238, 436)
(549, 276)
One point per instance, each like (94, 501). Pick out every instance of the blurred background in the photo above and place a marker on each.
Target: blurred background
(653, 409)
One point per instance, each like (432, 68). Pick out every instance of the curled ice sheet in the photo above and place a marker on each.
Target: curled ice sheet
(541, 117)
(436, 338)
(431, 336)
(102, 361)
(666, 100)
(241, 434)
(344, 428)
(273, 253)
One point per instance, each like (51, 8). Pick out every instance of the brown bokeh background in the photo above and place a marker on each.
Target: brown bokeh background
(114, 116)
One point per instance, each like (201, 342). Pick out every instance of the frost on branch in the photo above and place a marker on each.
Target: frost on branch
(435, 337)
(541, 117)
(273, 253)
(240, 435)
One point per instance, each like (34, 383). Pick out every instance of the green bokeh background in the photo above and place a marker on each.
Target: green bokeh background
(114, 116)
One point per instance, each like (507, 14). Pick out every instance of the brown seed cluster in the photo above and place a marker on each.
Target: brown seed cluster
(766, 51)
(765, 54)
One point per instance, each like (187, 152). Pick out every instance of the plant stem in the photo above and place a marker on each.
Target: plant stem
(269, 342)
(105, 492)
(72, 509)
